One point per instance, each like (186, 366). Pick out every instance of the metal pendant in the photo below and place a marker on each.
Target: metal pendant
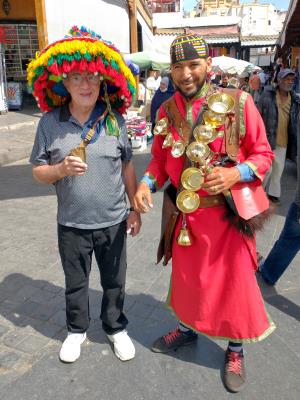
(192, 179)
(178, 148)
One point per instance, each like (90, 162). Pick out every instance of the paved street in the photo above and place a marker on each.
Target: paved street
(32, 314)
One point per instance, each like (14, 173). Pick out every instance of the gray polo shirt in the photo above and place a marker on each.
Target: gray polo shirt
(96, 199)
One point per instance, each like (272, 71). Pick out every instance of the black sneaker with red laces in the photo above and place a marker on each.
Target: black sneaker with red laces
(173, 340)
(234, 371)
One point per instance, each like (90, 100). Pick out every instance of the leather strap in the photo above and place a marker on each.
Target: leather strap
(211, 201)
(232, 125)
(91, 132)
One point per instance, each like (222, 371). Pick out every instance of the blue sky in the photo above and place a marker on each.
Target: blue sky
(280, 4)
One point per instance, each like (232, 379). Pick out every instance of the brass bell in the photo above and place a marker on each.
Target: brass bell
(183, 238)
(161, 127)
(198, 152)
(192, 179)
(204, 133)
(168, 142)
(178, 148)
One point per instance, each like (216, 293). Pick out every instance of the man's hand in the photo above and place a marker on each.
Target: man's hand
(221, 179)
(134, 223)
(142, 200)
(72, 165)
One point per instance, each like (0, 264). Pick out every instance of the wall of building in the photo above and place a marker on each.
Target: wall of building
(147, 34)
(19, 10)
(108, 18)
(259, 19)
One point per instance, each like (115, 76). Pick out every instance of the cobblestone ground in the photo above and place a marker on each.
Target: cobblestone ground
(32, 314)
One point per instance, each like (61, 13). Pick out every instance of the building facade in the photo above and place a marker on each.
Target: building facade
(27, 28)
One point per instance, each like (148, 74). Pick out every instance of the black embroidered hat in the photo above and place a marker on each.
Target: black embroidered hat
(188, 46)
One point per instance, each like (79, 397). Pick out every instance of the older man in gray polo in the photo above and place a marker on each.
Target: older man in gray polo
(82, 148)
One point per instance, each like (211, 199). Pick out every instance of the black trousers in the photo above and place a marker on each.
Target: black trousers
(76, 247)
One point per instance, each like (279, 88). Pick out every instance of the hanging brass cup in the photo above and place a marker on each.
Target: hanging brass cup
(161, 127)
(198, 152)
(178, 148)
(168, 142)
(204, 133)
(192, 179)
(213, 119)
(187, 201)
(220, 103)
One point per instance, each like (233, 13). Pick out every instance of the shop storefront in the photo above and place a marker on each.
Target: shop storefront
(20, 43)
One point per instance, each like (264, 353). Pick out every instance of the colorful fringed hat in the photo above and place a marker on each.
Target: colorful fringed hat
(82, 50)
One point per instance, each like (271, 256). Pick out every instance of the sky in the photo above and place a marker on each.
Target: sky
(279, 4)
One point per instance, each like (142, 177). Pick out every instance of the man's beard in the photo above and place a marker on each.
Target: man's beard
(193, 93)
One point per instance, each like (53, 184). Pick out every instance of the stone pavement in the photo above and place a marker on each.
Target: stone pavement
(32, 314)
(17, 130)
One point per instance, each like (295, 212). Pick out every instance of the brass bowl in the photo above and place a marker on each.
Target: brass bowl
(220, 103)
(178, 148)
(187, 201)
(204, 133)
(213, 119)
(161, 127)
(192, 179)
(198, 152)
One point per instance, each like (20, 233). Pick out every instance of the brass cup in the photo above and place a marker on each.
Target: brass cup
(192, 179)
(178, 148)
(220, 103)
(161, 127)
(187, 201)
(213, 119)
(168, 142)
(204, 133)
(198, 152)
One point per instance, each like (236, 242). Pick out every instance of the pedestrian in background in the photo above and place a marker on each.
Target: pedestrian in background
(288, 243)
(279, 109)
(224, 80)
(82, 148)
(163, 93)
(255, 86)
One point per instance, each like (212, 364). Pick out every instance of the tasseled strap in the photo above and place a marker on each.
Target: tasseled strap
(112, 126)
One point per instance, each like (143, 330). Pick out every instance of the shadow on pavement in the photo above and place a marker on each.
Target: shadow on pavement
(278, 301)
(40, 306)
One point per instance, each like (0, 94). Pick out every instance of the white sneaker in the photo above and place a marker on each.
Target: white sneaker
(123, 346)
(70, 349)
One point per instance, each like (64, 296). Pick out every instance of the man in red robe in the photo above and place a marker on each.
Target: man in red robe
(213, 288)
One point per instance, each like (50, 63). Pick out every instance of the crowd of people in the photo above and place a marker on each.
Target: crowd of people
(81, 147)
